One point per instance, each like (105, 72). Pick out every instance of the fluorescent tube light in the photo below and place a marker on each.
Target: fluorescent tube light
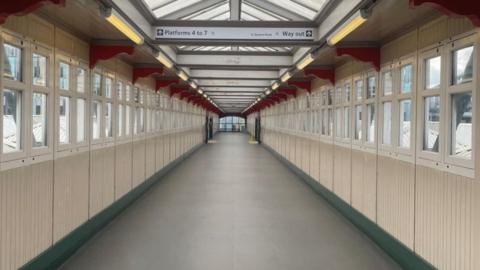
(348, 27)
(305, 61)
(121, 24)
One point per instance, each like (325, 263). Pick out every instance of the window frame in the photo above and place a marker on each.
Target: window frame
(367, 102)
(68, 147)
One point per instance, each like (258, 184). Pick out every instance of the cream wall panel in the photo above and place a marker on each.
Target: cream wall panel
(313, 160)
(166, 143)
(17, 24)
(123, 69)
(150, 158)
(138, 163)
(306, 156)
(326, 165)
(399, 47)
(70, 207)
(64, 41)
(396, 191)
(102, 179)
(364, 183)
(159, 153)
(123, 169)
(444, 229)
(40, 30)
(26, 201)
(342, 173)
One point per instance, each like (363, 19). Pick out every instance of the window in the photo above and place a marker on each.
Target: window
(406, 73)
(128, 92)
(96, 122)
(39, 120)
(433, 72)
(64, 120)
(461, 125)
(64, 76)
(39, 70)
(12, 62)
(108, 87)
(371, 86)
(431, 123)
(371, 123)
(12, 121)
(338, 122)
(127, 120)
(120, 120)
(119, 91)
(387, 123)
(108, 120)
(97, 84)
(405, 124)
(81, 74)
(346, 122)
(462, 65)
(358, 89)
(358, 122)
(347, 92)
(387, 83)
(81, 120)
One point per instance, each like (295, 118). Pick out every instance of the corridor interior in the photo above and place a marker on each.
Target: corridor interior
(246, 211)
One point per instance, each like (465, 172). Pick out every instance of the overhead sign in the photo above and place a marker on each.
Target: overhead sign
(234, 33)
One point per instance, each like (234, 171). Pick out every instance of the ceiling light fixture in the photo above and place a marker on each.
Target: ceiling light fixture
(182, 75)
(275, 85)
(285, 77)
(307, 60)
(162, 58)
(348, 27)
(123, 26)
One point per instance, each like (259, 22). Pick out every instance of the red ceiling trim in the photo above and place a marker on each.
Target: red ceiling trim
(23, 7)
(467, 8)
(288, 91)
(164, 83)
(177, 90)
(186, 95)
(141, 72)
(365, 54)
(280, 96)
(307, 85)
(105, 52)
(321, 73)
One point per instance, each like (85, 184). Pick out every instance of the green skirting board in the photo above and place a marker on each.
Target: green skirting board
(54, 256)
(403, 255)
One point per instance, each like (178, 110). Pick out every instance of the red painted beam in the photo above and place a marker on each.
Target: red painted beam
(364, 54)
(23, 7)
(467, 8)
(288, 91)
(321, 73)
(280, 96)
(307, 85)
(177, 90)
(105, 52)
(140, 72)
(164, 83)
(186, 95)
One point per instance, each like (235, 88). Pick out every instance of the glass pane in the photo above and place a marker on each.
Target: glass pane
(120, 120)
(387, 83)
(12, 121)
(81, 119)
(96, 122)
(358, 122)
(431, 124)
(97, 84)
(108, 87)
(371, 123)
(128, 92)
(461, 145)
(338, 122)
(371, 86)
(127, 120)
(432, 72)
(12, 62)
(406, 80)
(358, 89)
(39, 70)
(330, 96)
(346, 122)
(64, 120)
(405, 123)
(108, 120)
(347, 92)
(120, 90)
(136, 94)
(387, 123)
(462, 65)
(141, 122)
(39, 120)
(64, 76)
(81, 80)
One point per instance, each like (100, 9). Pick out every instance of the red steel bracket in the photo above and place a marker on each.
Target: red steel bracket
(288, 91)
(307, 85)
(186, 95)
(164, 83)
(23, 7)
(140, 72)
(105, 52)
(321, 73)
(177, 90)
(467, 8)
(364, 54)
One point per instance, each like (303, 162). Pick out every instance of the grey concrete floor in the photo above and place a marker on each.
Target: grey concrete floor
(231, 205)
